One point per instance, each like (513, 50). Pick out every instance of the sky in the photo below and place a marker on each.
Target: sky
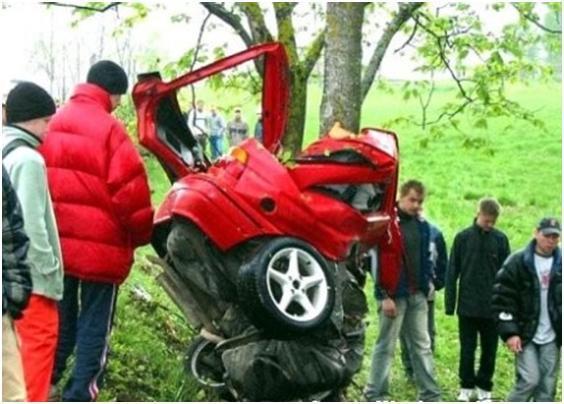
(24, 24)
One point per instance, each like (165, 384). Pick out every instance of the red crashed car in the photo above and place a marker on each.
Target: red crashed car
(256, 250)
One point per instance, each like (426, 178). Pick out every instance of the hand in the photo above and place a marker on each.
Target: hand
(514, 344)
(389, 307)
(431, 294)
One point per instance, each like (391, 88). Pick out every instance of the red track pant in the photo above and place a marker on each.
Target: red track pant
(38, 330)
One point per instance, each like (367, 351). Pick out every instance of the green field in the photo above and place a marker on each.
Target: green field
(524, 173)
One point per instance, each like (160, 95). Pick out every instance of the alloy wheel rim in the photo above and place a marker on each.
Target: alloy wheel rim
(297, 284)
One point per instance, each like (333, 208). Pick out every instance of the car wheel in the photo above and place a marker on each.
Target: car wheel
(203, 363)
(287, 287)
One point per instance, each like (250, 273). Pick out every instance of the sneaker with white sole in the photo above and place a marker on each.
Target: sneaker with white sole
(465, 395)
(484, 395)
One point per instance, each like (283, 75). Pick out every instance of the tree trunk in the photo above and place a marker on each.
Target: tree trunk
(293, 138)
(342, 96)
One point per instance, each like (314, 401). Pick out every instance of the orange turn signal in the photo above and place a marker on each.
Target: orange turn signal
(240, 155)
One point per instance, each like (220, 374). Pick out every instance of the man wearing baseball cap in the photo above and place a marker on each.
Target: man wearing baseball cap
(103, 208)
(527, 304)
(28, 111)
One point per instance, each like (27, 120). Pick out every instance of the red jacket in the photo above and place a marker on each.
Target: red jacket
(99, 188)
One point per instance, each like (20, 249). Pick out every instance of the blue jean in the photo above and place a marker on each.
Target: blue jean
(413, 312)
(86, 318)
(405, 348)
(216, 145)
(536, 369)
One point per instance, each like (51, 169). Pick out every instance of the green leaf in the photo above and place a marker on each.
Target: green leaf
(481, 123)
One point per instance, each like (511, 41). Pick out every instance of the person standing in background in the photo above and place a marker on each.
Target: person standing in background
(217, 129)
(102, 202)
(28, 111)
(477, 254)
(198, 123)
(16, 290)
(439, 259)
(406, 304)
(237, 129)
(527, 304)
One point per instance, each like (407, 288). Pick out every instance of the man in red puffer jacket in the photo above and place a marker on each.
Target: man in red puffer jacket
(103, 210)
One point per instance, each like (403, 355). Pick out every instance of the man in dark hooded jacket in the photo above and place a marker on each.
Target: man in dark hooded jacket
(527, 302)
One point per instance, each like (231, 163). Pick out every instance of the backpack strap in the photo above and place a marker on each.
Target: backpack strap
(14, 144)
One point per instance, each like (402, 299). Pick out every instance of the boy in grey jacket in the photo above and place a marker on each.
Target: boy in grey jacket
(28, 111)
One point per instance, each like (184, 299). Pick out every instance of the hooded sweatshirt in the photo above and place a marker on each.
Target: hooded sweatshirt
(27, 172)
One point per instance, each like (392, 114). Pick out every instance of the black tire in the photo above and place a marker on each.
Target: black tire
(202, 363)
(260, 297)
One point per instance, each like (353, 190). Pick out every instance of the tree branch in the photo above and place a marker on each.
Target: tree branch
(234, 21)
(405, 12)
(286, 32)
(313, 53)
(199, 41)
(231, 19)
(413, 32)
(534, 19)
(80, 7)
(255, 19)
(449, 115)
(292, 5)
(425, 103)
(444, 59)
(196, 52)
(451, 71)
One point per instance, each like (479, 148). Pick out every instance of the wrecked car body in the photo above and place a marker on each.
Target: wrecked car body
(264, 257)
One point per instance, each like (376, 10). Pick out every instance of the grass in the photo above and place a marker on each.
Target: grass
(524, 173)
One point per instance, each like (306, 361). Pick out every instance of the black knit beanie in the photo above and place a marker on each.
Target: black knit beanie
(28, 101)
(108, 75)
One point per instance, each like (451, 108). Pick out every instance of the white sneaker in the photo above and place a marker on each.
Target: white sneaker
(465, 394)
(484, 395)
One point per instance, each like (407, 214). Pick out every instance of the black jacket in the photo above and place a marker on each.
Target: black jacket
(516, 297)
(475, 258)
(439, 256)
(16, 279)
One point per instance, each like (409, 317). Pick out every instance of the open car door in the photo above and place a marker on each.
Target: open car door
(164, 131)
